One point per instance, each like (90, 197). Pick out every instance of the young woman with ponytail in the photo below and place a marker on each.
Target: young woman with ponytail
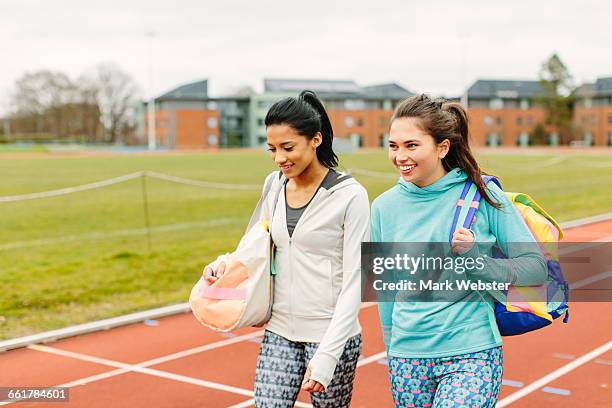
(448, 353)
(312, 341)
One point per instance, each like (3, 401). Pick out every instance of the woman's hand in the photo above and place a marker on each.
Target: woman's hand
(211, 276)
(462, 241)
(311, 385)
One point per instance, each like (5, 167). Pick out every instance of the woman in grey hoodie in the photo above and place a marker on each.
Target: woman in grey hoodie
(321, 216)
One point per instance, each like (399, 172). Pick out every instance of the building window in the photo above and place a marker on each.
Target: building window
(212, 123)
(359, 121)
(523, 139)
(384, 140)
(610, 139)
(524, 104)
(499, 120)
(262, 139)
(383, 122)
(496, 103)
(348, 121)
(488, 120)
(260, 122)
(588, 102)
(213, 140)
(610, 119)
(519, 120)
(529, 120)
(211, 105)
(493, 140)
(354, 104)
(553, 139)
(356, 140)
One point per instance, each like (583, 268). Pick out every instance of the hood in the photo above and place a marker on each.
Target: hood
(343, 180)
(450, 180)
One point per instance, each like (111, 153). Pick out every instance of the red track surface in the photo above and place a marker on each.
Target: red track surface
(200, 377)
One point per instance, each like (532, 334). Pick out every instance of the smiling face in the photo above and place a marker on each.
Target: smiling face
(293, 153)
(415, 153)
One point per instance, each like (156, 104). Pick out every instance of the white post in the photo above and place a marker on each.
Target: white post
(464, 37)
(151, 105)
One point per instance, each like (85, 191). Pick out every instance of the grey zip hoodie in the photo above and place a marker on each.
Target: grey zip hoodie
(317, 290)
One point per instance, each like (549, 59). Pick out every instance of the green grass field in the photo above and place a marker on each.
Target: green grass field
(85, 256)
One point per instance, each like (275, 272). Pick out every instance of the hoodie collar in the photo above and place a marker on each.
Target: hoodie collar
(448, 181)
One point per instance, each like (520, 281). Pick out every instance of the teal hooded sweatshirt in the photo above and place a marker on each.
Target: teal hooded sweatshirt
(408, 213)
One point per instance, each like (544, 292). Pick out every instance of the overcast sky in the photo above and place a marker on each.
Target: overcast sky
(438, 47)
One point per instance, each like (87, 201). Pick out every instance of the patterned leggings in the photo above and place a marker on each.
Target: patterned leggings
(468, 380)
(281, 367)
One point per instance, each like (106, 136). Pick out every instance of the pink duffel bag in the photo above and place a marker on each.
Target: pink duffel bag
(243, 295)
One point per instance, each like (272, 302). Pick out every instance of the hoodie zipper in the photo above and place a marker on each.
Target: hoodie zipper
(291, 247)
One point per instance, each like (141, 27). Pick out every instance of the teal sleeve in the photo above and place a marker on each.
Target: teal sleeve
(385, 309)
(525, 265)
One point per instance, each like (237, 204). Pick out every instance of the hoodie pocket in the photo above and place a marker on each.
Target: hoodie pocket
(314, 292)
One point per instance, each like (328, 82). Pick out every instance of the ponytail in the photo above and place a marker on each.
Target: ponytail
(307, 116)
(446, 120)
(325, 152)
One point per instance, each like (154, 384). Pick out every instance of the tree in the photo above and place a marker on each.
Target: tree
(47, 104)
(40, 97)
(557, 96)
(115, 93)
(538, 136)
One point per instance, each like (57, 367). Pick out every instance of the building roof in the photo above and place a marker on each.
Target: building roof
(337, 88)
(319, 86)
(192, 91)
(603, 86)
(503, 89)
(387, 91)
(586, 90)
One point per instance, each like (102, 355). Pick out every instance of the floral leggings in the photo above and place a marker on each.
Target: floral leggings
(468, 380)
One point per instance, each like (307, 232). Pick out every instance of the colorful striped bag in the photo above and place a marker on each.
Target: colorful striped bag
(526, 308)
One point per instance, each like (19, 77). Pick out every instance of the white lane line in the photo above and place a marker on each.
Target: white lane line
(251, 403)
(245, 404)
(371, 359)
(555, 374)
(124, 368)
(592, 279)
(174, 356)
(143, 370)
(512, 383)
(200, 349)
(558, 391)
(564, 356)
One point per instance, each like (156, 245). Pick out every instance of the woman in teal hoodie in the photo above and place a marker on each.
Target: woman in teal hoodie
(447, 353)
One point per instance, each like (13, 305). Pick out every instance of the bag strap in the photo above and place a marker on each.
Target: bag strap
(281, 184)
(260, 207)
(472, 207)
(459, 206)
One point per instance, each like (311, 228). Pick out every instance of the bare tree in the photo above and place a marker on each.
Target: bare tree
(41, 96)
(115, 92)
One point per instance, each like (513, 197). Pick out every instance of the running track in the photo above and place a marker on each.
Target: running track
(175, 362)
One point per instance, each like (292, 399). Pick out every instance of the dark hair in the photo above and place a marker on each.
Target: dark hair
(307, 116)
(446, 120)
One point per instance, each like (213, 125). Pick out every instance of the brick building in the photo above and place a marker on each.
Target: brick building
(358, 114)
(185, 118)
(503, 112)
(593, 112)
